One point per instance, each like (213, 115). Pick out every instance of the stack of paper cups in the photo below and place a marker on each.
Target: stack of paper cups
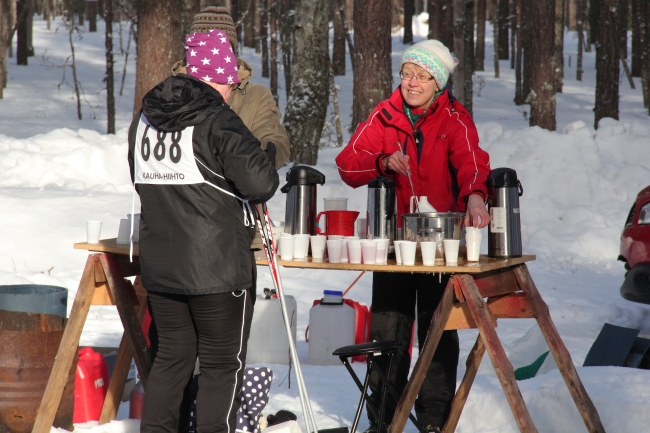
(473, 238)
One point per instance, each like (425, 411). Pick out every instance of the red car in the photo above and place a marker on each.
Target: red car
(635, 250)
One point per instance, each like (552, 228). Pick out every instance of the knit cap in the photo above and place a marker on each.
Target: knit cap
(432, 56)
(210, 57)
(215, 17)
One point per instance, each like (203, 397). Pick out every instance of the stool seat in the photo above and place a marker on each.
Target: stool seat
(374, 347)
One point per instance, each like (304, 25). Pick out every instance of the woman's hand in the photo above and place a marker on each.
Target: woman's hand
(477, 215)
(397, 162)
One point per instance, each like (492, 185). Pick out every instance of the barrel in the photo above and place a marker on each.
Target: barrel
(30, 340)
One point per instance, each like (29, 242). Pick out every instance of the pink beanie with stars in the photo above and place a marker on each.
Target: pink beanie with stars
(210, 57)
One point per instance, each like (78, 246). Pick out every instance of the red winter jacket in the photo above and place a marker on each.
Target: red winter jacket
(451, 164)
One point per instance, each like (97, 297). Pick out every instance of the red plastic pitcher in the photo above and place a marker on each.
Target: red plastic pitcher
(339, 222)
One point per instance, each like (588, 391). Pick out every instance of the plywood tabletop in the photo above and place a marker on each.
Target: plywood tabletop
(484, 264)
(109, 246)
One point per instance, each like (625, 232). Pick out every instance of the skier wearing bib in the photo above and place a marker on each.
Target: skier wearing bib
(198, 171)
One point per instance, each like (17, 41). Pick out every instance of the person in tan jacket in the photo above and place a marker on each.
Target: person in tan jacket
(252, 102)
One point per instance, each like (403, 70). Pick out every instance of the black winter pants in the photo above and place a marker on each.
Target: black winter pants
(394, 298)
(214, 327)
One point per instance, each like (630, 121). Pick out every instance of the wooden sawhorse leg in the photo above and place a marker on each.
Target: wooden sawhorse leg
(500, 361)
(560, 353)
(67, 349)
(100, 269)
(429, 347)
(122, 366)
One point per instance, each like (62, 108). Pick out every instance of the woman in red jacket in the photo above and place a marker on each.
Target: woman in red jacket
(420, 128)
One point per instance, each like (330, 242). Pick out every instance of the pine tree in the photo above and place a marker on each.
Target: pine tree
(542, 95)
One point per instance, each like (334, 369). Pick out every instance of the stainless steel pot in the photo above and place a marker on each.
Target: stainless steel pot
(433, 226)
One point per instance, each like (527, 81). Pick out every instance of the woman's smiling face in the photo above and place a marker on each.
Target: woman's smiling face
(418, 95)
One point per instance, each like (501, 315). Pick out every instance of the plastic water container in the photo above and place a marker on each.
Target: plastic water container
(268, 341)
(334, 325)
(90, 386)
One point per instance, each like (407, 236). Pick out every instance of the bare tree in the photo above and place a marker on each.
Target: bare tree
(502, 12)
(159, 44)
(309, 97)
(594, 17)
(607, 62)
(373, 80)
(542, 95)
(558, 55)
(264, 35)
(338, 46)
(580, 18)
(645, 54)
(110, 77)
(637, 29)
(464, 49)
(479, 59)
(409, 9)
(5, 25)
(520, 98)
(287, 20)
(91, 14)
(23, 13)
(623, 24)
(249, 25)
(495, 37)
(273, 28)
(527, 43)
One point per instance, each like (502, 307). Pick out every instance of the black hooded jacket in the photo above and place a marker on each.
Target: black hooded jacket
(193, 239)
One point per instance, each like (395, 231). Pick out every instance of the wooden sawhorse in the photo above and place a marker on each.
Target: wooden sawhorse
(102, 283)
(510, 293)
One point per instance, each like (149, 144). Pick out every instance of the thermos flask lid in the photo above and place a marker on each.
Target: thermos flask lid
(303, 175)
(382, 182)
(502, 178)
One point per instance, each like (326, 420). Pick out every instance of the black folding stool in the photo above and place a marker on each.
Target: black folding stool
(372, 350)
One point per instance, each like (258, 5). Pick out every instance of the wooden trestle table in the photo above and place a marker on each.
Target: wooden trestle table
(506, 283)
(511, 294)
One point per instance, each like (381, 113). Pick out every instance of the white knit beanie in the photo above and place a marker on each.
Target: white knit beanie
(432, 56)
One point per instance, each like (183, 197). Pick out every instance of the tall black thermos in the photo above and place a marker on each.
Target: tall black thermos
(504, 231)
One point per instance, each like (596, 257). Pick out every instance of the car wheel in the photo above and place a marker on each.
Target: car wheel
(636, 286)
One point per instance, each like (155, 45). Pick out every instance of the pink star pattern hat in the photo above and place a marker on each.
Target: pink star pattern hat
(210, 57)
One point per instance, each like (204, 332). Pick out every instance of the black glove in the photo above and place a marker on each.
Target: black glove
(270, 152)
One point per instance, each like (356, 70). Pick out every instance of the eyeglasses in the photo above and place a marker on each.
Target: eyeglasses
(409, 76)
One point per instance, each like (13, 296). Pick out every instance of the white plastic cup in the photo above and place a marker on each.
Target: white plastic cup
(354, 251)
(318, 246)
(473, 246)
(398, 254)
(472, 231)
(407, 250)
(451, 251)
(369, 252)
(334, 237)
(344, 251)
(334, 247)
(300, 246)
(332, 203)
(361, 228)
(382, 251)
(124, 232)
(286, 247)
(93, 229)
(428, 252)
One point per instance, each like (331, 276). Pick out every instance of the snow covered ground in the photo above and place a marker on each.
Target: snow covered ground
(57, 172)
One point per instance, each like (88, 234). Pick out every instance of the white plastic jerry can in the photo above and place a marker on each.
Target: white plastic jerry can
(268, 341)
(330, 326)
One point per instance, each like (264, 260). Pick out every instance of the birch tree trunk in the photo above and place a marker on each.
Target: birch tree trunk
(542, 96)
(159, 44)
(607, 62)
(309, 96)
(373, 80)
